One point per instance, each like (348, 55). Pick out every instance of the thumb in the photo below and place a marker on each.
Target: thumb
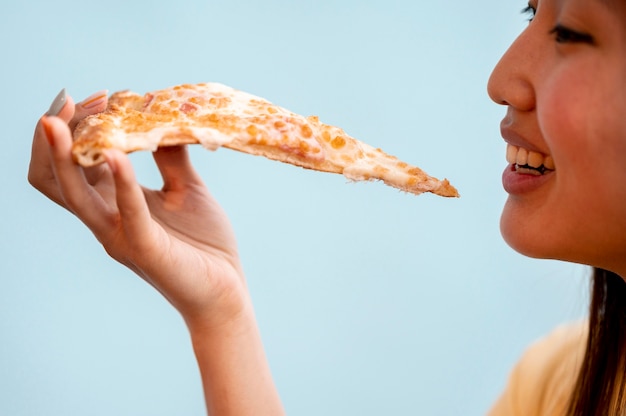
(176, 168)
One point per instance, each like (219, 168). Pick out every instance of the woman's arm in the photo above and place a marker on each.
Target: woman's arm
(177, 239)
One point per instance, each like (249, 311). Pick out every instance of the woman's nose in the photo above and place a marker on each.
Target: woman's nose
(511, 81)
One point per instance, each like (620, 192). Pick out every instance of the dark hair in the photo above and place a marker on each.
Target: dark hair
(599, 389)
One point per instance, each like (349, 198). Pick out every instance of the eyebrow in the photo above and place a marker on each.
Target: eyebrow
(611, 4)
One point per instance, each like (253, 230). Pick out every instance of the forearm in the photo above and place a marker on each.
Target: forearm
(235, 373)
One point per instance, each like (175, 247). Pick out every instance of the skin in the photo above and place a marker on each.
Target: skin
(566, 97)
(178, 240)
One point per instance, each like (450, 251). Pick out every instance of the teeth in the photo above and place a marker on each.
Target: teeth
(522, 157)
(511, 154)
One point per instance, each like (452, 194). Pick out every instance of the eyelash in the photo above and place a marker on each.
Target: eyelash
(561, 33)
(530, 12)
(564, 35)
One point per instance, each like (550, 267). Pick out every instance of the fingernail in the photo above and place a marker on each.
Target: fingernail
(47, 129)
(58, 104)
(94, 100)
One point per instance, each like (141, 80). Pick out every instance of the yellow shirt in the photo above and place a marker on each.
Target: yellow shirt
(543, 379)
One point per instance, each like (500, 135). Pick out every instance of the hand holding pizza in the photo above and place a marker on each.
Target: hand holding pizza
(177, 239)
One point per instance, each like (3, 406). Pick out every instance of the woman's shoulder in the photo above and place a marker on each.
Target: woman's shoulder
(542, 380)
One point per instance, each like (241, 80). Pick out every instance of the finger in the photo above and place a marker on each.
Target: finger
(176, 168)
(93, 104)
(75, 193)
(40, 172)
(134, 213)
(60, 107)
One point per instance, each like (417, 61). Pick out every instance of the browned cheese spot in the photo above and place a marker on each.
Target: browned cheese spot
(381, 169)
(307, 132)
(347, 159)
(415, 172)
(139, 122)
(219, 102)
(304, 147)
(338, 142)
(252, 130)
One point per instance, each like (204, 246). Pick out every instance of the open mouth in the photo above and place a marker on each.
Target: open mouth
(528, 162)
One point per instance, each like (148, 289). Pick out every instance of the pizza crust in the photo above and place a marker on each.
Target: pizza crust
(215, 116)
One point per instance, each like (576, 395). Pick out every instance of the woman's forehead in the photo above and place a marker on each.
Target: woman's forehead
(613, 6)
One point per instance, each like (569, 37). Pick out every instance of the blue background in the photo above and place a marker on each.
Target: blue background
(370, 301)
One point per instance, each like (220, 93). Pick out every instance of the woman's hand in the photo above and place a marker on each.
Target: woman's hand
(178, 238)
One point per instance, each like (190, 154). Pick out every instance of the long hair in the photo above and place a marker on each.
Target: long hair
(599, 390)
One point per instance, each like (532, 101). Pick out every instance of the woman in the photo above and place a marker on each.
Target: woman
(564, 85)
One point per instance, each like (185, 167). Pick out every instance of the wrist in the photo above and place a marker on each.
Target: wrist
(232, 313)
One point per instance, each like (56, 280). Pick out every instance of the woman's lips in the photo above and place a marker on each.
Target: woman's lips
(519, 180)
(527, 170)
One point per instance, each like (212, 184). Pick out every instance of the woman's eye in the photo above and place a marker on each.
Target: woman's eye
(530, 12)
(564, 35)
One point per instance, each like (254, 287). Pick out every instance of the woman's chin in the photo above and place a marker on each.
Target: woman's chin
(523, 238)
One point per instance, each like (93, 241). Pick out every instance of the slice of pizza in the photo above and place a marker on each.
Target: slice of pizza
(215, 115)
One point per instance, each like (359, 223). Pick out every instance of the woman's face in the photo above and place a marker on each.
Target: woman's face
(564, 84)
